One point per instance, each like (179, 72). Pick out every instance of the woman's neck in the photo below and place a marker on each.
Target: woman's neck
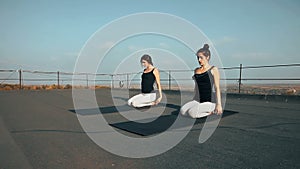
(149, 67)
(206, 66)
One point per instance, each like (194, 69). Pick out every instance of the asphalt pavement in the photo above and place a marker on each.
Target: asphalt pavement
(40, 130)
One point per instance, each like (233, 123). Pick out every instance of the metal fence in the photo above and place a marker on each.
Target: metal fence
(114, 81)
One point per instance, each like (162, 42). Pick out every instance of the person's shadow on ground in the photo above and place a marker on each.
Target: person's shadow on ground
(155, 126)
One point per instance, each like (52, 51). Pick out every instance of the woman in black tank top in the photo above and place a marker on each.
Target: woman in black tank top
(207, 99)
(149, 76)
(148, 80)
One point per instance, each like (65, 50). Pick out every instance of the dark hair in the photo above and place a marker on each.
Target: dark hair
(205, 50)
(147, 58)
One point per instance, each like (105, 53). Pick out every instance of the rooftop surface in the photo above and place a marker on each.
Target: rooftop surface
(40, 129)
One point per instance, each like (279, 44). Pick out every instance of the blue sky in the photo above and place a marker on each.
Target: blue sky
(47, 35)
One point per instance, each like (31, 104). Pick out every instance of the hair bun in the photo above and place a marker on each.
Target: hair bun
(206, 46)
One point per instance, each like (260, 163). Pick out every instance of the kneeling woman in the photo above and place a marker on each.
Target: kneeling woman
(149, 76)
(205, 101)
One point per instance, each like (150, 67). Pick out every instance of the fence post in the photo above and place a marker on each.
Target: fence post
(20, 79)
(112, 81)
(57, 79)
(169, 79)
(87, 80)
(240, 79)
(127, 80)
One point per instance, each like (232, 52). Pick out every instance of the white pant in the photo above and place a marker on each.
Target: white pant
(141, 100)
(196, 109)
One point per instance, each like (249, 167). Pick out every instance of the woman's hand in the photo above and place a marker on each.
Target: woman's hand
(218, 109)
(157, 101)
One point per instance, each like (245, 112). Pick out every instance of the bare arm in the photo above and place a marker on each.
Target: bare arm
(196, 92)
(157, 79)
(216, 75)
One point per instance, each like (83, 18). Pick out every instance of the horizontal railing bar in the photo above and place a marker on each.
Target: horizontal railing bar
(174, 70)
(8, 70)
(140, 79)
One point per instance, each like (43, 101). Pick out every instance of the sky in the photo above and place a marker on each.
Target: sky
(48, 35)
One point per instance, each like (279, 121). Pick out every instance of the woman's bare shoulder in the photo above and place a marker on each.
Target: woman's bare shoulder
(214, 70)
(155, 70)
(196, 69)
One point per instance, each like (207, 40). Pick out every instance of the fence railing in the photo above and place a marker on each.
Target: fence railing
(58, 77)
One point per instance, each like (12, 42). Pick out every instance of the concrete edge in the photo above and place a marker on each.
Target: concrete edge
(275, 98)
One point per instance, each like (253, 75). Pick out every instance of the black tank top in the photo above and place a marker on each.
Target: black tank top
(204, 83)
(148, 81)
